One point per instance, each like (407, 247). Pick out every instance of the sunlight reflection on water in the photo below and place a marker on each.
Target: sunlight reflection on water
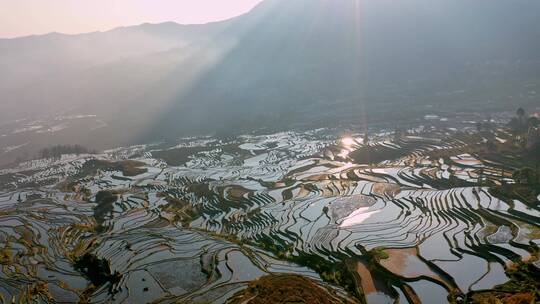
(358, 216)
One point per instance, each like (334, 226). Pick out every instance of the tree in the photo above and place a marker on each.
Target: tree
(58, 150)
(520, 114)
(514, 124)
(526, 176)
(533, 122)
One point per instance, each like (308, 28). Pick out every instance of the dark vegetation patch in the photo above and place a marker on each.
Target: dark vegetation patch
(526, 187)
(524, 277)
(180, 156)
(59, 150)
(12, 181)
(97, 270)
(203, 190)
(523, 287)
(7, 180)
(376, 153)
(33, 196)
(127, 167)
(494, 297)
(511, 154)
(378, 254)
(121, 178)
(73, 186)
(6, 255)
(184, 212)
(522, 149)
(527, 193)
(39, 183)
(105, 204)
(338, 271)
(286, 288)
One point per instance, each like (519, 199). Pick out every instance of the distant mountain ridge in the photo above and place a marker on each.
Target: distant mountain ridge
(325, 61)
(27, 60)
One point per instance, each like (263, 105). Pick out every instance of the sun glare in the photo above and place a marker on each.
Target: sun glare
(348, 141)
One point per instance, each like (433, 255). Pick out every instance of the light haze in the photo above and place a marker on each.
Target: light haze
(30, 17)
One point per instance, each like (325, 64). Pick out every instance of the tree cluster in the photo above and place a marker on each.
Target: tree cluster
(527, 176)
(523, 122)
(59, 150)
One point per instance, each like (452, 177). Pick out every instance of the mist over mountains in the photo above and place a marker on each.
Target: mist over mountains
(284, 64)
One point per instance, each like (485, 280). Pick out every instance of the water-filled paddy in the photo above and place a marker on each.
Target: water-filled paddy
(199, 220)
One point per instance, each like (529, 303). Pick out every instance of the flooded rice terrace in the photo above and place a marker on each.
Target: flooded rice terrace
(381, 217)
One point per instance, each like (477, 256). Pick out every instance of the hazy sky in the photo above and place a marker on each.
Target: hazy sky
(27, 17)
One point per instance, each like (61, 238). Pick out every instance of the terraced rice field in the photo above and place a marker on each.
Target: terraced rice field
(397, 218)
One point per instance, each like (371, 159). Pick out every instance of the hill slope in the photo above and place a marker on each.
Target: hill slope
(283, 64)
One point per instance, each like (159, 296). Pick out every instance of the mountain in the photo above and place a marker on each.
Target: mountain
(47, 64)
(326, 60)
(286, 63)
